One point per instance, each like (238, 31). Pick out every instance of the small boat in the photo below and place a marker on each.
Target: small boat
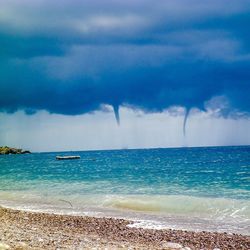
(68, 157)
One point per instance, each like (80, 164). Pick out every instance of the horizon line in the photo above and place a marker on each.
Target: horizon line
(146, 148)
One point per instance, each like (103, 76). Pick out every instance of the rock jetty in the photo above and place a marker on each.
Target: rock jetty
(7, 150)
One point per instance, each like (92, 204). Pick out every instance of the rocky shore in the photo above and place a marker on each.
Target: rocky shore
(7, 150)
(28, 230)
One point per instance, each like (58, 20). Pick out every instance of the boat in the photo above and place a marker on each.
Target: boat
(68, 157)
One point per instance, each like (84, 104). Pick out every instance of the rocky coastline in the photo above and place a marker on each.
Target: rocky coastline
(29, 230)
(5, 150)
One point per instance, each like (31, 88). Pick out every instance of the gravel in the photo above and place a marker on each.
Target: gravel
(28, 230)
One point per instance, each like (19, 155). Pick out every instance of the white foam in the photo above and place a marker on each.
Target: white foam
(147, 224)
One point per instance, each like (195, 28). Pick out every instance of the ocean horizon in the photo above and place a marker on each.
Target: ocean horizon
(189, 188)
(139, 148)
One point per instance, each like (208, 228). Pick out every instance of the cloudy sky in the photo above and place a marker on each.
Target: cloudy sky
(71, 70)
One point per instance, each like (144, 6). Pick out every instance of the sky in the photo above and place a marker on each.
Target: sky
(124, 74)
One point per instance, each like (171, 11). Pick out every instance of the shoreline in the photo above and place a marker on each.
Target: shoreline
(138, 218)
(36, 230)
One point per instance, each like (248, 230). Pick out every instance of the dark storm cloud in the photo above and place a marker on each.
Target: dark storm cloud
(70, 57)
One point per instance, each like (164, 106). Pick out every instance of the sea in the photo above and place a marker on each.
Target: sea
(199, 189)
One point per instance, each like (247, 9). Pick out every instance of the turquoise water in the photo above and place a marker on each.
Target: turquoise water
(189, 188)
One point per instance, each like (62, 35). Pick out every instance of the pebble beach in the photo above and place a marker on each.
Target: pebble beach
(32, 230)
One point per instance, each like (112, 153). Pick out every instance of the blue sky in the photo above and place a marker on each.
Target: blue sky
(76, 58)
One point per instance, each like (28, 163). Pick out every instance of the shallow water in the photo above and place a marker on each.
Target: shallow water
(185, 188)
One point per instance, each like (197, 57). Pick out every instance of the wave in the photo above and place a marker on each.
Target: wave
(149, 211)
(218, 208)
(183, 205)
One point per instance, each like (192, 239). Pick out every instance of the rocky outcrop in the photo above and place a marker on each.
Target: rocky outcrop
(7, 150)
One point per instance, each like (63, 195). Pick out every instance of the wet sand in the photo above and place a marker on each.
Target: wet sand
(28, 230)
